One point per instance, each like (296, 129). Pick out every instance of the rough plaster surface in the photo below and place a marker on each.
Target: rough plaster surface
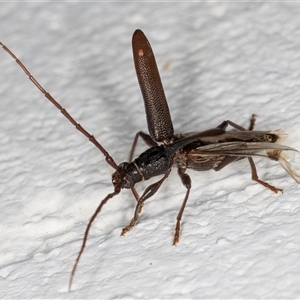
(226, 61)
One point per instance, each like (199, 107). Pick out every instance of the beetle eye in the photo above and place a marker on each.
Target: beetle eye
(115, 178)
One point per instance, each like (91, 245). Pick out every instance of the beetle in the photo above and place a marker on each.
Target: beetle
(212, 149)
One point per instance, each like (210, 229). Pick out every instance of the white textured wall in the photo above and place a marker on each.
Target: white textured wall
(228, 60)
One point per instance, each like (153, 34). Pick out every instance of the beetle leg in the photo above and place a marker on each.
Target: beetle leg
(149, 192)
(252, 122)
(146, 138)
(224, 124)
(255, 178)
(186, 181)
(149, 141)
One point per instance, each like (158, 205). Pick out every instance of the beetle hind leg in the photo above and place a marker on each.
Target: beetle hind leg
(225, 124)
(255, 178)
(252, 122)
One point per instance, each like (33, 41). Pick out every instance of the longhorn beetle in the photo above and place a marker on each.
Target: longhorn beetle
(210, 149)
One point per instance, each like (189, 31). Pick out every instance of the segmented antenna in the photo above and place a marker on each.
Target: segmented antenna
(91, 138)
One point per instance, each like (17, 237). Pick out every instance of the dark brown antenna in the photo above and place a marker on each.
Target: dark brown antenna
(91, 138)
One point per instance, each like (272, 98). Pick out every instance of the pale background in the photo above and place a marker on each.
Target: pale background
(226, 61)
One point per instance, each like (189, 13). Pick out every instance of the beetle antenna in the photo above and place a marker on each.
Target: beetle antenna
(87, 230)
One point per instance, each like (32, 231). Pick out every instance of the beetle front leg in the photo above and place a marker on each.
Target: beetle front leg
(149, 192)
(149, 141)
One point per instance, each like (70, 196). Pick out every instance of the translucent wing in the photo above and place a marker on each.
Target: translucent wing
(289, 161)
(242, 148)
(288, 157)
